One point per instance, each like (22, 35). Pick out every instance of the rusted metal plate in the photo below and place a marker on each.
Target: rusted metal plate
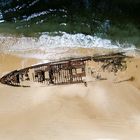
(61, 72)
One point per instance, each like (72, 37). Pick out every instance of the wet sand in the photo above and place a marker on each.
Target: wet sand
(104, 110)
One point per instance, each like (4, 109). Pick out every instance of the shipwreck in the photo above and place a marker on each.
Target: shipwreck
(68, 71)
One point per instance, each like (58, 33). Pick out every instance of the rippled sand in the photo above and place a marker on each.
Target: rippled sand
(103, 110)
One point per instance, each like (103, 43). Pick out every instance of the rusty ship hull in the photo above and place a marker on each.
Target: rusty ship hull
(68, 71)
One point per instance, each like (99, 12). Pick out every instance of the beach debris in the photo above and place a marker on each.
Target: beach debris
(67, 71)
(114, 65)
(85, 83)
(132, 78)
(100, 78)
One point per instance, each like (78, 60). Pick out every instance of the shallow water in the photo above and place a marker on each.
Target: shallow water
(47, 46)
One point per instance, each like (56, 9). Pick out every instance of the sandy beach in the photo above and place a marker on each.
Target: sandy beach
(69, 70)
(104, 110)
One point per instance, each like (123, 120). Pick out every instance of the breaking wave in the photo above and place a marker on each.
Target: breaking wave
(48, 44)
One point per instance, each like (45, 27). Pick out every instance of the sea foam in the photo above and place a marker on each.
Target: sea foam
(57, 43)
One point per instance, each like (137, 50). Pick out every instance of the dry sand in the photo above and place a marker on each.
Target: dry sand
(103, 110)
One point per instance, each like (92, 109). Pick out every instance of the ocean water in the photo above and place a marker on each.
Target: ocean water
(49, 31)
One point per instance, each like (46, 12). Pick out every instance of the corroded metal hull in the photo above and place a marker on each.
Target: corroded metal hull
(68, 71)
